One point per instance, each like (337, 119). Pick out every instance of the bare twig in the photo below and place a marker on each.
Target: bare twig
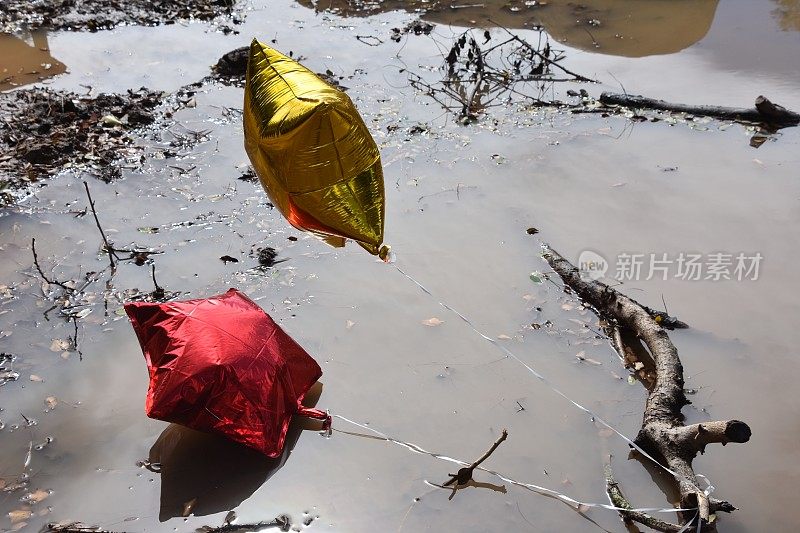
(109, 249)
(41, 272)
(159, 291)
(281, 522)
(73, 527)
(543, 57)
(464, 474)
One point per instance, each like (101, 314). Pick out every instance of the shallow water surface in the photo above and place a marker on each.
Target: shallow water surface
(459, 201)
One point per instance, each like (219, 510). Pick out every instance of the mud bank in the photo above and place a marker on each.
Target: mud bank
(94, 15)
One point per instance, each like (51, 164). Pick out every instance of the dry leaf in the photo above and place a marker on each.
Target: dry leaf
(37, 379)
(432, 322)
(582, 357)
(37, 496)
(19, 515)
(504, 337)
(51, 402)
(59, 345)
(350, 324)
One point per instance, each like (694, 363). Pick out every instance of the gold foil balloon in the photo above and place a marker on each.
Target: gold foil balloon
(312, 152)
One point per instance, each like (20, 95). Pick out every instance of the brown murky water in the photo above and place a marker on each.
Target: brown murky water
(459, 200)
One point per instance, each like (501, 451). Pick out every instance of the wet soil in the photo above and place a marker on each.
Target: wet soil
(43, 132)
(94, 15)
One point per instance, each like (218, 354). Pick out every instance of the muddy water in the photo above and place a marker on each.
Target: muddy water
(458, 203)
(26, 59)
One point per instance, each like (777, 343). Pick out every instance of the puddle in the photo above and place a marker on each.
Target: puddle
(615, 27)
(27, 60)
(459, 201)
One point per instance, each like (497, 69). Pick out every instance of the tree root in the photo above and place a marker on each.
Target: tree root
(663, 434)
(764, 112)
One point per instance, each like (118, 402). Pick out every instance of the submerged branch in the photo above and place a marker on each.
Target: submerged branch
(663, 434)
(618, 499)
(764, 111)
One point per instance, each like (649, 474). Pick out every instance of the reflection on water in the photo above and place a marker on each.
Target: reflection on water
(787, 14)
(616, 27)
(206, 474)
(23, 62)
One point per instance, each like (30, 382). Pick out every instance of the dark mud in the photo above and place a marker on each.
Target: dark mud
(94, 15)
(44, 132)
(232, 68)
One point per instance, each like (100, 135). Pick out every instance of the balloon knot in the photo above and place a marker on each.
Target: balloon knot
(385, 253)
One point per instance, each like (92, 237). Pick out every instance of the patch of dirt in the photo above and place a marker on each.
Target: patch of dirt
(94, 15)
(43, 132)
(233, 64)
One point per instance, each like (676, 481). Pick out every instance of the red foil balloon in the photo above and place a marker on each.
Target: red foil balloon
(222, 365)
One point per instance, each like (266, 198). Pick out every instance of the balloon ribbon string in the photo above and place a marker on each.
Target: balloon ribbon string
(529, 486)
(550, 385)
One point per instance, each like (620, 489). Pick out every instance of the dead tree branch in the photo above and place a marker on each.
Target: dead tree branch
(663, 434)
(73, 527)
(282, 522)
(764, 111)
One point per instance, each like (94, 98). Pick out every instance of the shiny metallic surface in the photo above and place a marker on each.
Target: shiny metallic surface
(312, 151)
(221, 365)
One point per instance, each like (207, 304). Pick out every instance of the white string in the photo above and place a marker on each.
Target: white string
(555, 389)
(530, 486)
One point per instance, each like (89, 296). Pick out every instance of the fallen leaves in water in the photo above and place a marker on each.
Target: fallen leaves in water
(433, 322)
(36, 379)
(582, 358)
(36, 496)
(59, 345)
(51, 402)
(350, 324)
(19, 515)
